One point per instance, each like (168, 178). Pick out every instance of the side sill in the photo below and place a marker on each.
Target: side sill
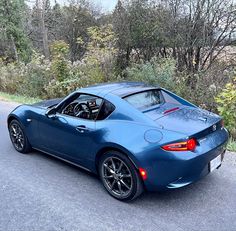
(60, 158)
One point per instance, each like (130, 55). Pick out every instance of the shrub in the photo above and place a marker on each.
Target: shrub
(28, 80)
(206, 85)
(156, 72)
(226, 102)
(101, 53)
(36, 75)
(11, 77)
(60, 64)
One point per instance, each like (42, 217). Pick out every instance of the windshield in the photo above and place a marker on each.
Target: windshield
(145, 99)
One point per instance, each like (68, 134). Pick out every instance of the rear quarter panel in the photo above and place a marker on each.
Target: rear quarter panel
(130, 138)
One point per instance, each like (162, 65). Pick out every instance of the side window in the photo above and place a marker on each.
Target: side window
(106, 109)
(82, 106)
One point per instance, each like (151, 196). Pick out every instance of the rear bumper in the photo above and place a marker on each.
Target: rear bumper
(168, 170)
(189, 179)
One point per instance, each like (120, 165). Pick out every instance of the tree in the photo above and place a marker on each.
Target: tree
(15, 42)
(101, 50)
(42, 6)
(198, 31)
(193, 32)
(77, 18)
(122, 29)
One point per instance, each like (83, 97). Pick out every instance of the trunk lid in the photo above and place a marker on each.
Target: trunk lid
(184, 119)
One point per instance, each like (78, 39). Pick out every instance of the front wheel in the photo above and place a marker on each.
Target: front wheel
(119, 176)
(18, 137)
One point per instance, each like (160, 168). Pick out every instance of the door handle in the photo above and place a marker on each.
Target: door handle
(82, 129)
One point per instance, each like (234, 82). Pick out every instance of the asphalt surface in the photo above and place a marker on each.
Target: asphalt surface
(38, 192)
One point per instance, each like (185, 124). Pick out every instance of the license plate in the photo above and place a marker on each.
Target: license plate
(215, 163)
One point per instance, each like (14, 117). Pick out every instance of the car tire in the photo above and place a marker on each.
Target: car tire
(18, 137)
(119, 176)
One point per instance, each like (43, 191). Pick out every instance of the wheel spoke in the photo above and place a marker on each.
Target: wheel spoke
(122, 182)
(119, 187)
(21, 143)
(17, 143)
(108, 168)
(120, 167)
(113, 184)
(126, 176)
(113, 164)
(109, 177)
(14, 129)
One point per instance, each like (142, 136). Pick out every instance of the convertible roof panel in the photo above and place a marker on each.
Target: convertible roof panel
(121, 89)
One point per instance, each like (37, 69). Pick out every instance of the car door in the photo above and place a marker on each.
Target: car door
(67, 136)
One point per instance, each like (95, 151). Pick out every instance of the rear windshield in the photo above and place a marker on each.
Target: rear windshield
(145, 99)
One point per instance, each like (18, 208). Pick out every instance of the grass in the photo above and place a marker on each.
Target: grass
(231, 145)
(18, 98)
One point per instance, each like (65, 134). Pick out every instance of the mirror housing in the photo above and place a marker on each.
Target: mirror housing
(51, 113)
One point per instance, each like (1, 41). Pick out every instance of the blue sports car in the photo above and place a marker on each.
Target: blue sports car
(134, 136)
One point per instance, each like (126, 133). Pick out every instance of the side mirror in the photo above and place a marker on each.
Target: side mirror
(51, 113)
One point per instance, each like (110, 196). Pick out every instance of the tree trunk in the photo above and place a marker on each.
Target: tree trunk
(14, 49)
(44, 30)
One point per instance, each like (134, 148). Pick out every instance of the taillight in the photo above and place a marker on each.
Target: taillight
(188, 145)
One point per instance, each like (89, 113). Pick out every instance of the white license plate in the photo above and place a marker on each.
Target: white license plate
(215, 163)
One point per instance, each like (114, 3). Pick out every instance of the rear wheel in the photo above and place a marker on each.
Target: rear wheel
(119, 176)
(18, 137)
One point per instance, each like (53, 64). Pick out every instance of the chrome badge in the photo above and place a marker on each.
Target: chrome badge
(214, 128)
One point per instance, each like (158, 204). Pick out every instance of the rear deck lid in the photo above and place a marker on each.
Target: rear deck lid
(184, 119)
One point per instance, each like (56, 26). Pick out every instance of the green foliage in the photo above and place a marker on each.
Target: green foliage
(101, 53)
(156, 72)
(11, 77)
(36, 75)
(59, 49)
(28, 80)
(60, 89)
(226, 101)
(60, 69)
(231, 145)
(205, 85)
(16, 43)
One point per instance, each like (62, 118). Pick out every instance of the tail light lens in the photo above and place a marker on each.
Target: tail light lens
(188, 145)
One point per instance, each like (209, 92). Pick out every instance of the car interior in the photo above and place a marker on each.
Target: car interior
(88, 107)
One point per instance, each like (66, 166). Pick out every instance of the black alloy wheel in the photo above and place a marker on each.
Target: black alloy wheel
(119, 176)
(18, 137)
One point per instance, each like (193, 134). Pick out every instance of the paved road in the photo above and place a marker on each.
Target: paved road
(38, 192)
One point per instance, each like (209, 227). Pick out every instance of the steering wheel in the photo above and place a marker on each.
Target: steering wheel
(82, 110)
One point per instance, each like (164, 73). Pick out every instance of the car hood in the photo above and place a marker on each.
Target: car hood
(183, 119)
(48, 103)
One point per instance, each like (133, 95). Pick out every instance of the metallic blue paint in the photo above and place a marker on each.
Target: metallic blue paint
(137, 134)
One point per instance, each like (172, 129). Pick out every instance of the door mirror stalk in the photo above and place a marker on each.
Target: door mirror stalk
(51, 113)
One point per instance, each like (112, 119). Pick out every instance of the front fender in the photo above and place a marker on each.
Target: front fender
(28, 117)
